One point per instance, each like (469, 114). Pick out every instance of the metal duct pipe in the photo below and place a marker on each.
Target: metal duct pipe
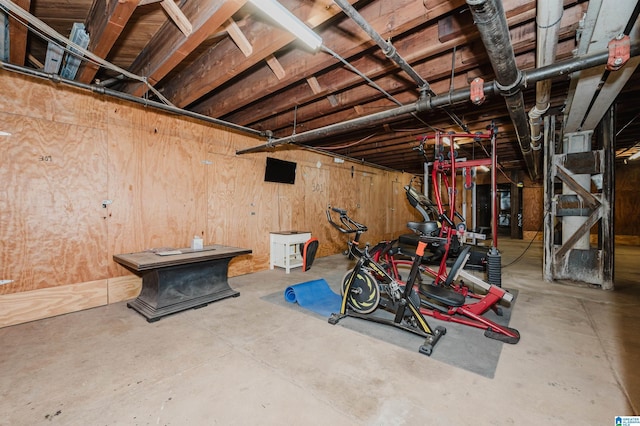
(387, 48)
(492, 24)
(569, 66)
(558, 69)
(120, 95)
(548, 17)
(337, 128)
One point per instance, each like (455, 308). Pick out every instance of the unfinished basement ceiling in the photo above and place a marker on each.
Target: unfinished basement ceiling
(224, 59)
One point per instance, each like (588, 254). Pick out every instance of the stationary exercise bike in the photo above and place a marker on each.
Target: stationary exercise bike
(368, 287)
(445, 297)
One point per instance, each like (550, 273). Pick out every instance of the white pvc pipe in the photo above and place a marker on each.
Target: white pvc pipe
(548, 18)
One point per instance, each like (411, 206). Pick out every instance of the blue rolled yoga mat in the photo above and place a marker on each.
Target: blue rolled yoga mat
(315, 296)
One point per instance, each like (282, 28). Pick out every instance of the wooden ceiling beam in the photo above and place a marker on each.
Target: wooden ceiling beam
(18, 36)
(314, 85)
(345, 38)
(105, 23)
(389, 142)
(315, 114)
(437, 68)
(174, 13)
(282, 124)
(523, 41)
(169, 46)
(360, 93)
(223, 62)
(414, 48)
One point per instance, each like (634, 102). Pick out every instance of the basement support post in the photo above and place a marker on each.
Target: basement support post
(586, 201)
(549, 220)
(516, 215)
(576, 142)
(607, 235)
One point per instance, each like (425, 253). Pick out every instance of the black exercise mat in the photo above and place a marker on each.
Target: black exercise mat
(462, 346)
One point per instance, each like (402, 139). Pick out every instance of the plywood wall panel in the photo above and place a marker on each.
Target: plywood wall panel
(315, 181)
(241, 208)
(533, 209)
(222, 203)
(627, 202)
(46, 101)
(123, 288)
(156, 184)
(53, 226)
(396, 217)
(75, 107)
(17, 308)
(256, 210)
(124, 114)
(165, 178)
(20, 96)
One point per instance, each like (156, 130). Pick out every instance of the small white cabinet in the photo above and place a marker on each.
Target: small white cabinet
(285, 249)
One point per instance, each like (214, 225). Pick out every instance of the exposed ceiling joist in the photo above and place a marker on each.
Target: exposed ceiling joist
(347, 42)
(18, 36)
(169, 47)
(206, 73)
(105, 23)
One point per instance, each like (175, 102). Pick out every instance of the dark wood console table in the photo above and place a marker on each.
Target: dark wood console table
(176, 282)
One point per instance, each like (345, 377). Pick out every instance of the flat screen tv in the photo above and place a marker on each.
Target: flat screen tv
(280, 171)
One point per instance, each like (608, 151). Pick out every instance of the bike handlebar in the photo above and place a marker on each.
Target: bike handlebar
(349, 226)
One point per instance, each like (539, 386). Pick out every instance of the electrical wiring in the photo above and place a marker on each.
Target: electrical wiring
(517, 259)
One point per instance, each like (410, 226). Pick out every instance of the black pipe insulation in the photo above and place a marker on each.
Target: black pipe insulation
(387, 48)
(491, 21)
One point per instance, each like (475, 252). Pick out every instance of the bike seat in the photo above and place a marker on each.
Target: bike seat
(442, 295)
(424, 228)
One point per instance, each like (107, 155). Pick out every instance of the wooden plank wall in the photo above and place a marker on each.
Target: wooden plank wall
(627, 203)
(85, 177)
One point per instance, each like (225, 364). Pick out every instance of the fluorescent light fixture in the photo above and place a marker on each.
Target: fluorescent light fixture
(289, 22)
(2, 133)
(634, 156)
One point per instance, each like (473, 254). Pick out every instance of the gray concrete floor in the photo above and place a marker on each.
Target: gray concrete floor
(247, 361)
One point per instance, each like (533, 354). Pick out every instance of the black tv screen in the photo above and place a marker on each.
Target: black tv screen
(280, 171)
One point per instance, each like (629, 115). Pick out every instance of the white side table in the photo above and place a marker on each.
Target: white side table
(284, 251)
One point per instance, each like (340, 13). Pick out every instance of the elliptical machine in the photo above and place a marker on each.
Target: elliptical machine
(431, 226)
